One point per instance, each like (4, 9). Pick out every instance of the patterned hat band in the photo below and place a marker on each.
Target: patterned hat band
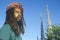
(14, 4)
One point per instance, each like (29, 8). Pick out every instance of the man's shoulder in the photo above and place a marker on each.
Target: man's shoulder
(5, 27)
(5, 31)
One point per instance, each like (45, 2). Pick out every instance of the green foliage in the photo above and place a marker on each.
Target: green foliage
(53, 33)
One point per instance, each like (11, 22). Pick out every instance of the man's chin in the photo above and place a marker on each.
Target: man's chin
(18, 19)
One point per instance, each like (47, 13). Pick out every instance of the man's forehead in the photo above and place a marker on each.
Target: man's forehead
(17, 9)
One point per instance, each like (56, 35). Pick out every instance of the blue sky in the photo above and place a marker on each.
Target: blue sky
(31, 12)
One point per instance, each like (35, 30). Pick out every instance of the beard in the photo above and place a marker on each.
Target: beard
(18, 18)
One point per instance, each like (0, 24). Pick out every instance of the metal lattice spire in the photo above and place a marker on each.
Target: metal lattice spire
(48, 18)
(42, 30)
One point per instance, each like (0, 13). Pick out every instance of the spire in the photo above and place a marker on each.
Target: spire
(37, 37)
(48, 18)
(42, 31)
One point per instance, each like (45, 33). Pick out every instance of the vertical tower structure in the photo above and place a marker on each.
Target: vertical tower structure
(42, 30)
(48, 18)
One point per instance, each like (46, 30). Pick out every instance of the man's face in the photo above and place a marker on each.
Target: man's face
(17, 14)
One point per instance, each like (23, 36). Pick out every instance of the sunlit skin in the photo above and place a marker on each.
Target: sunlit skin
(17, 14)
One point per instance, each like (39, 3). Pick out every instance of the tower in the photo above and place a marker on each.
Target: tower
(49, 25)
(42, 30)
(48, 18)
(37, 37)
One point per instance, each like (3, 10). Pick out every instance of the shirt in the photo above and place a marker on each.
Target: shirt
(6, 33)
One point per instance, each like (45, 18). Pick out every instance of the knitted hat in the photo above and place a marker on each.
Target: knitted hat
(14, 4)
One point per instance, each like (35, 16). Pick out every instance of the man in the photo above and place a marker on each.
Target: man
(14, 24)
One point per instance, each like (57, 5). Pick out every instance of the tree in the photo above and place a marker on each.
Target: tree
(55, 34)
